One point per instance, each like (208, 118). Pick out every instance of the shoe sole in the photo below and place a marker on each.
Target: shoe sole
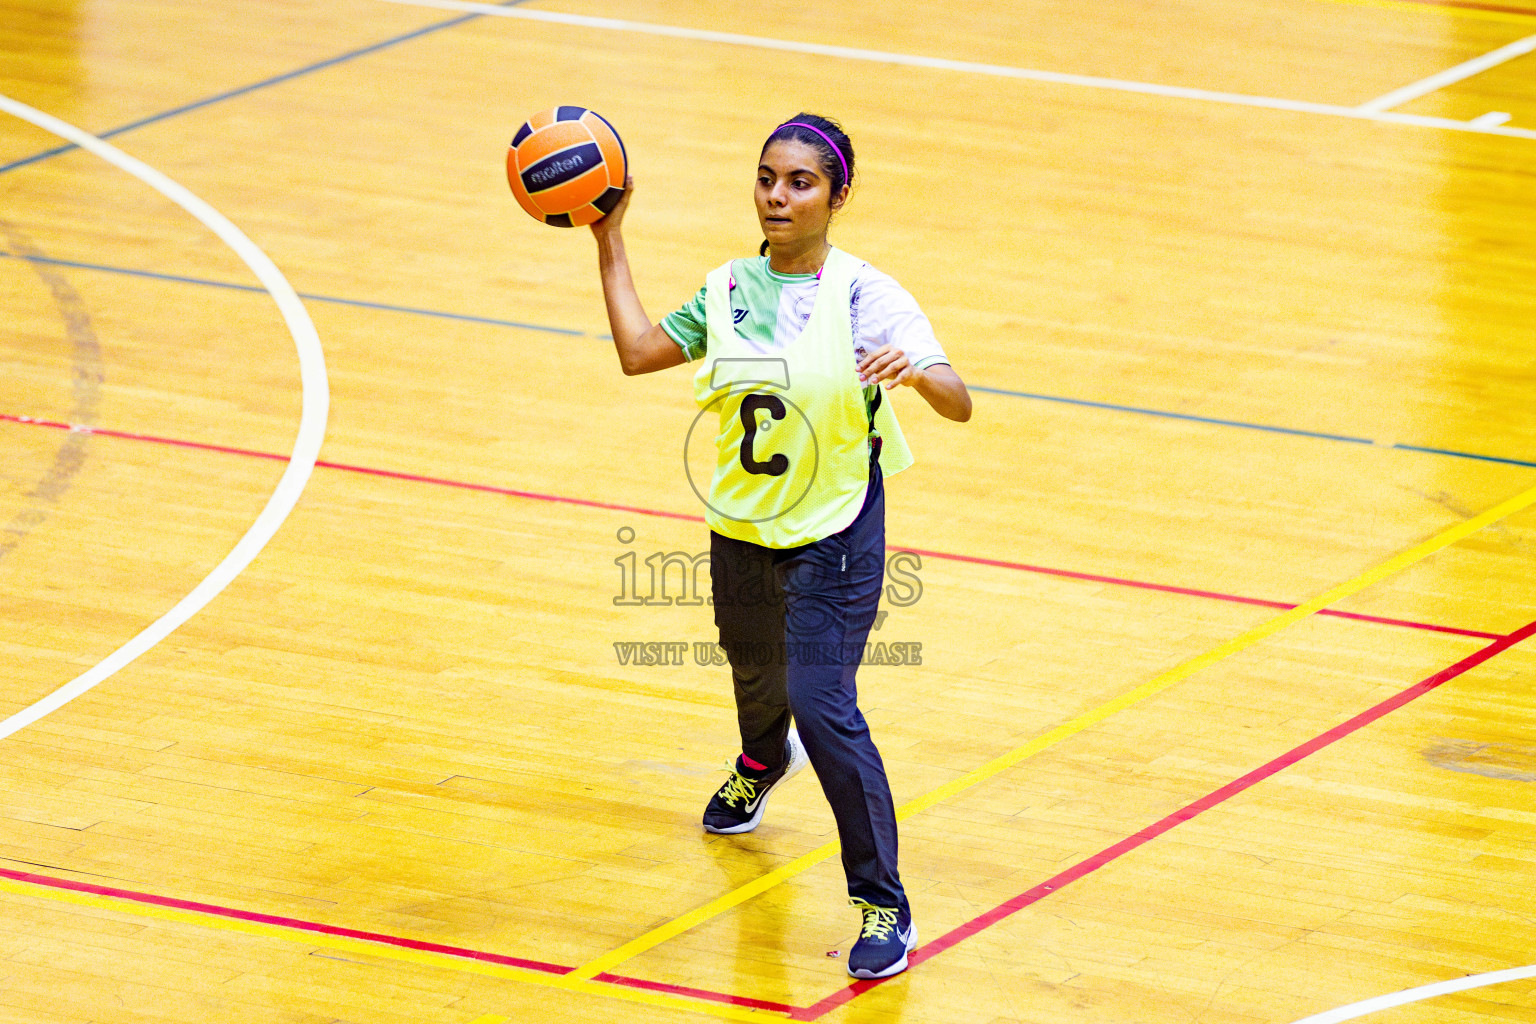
(797, 761)
(895, 968)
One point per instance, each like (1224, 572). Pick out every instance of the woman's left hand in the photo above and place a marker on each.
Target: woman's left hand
(889, 364)
(938, 383)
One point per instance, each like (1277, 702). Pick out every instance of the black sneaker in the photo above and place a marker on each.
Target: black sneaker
(738, 806)
(885, 940)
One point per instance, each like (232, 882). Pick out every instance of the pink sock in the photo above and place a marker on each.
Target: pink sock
(753, 764)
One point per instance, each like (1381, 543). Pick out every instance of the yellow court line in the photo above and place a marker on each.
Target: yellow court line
(1455, 12)
(490, 1018)
(1150, 688)
(421, 958)
(580, 980)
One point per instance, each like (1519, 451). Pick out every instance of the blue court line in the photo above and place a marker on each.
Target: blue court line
(359, 303)
(1182, 416)
(1462, 455)
(1244, 425)
(547, 329)
(243, 90)
(1164, 414)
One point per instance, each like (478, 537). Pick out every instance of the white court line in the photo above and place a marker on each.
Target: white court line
(1450, 76)
(1414, 995)
(306, 446)
(970, 67)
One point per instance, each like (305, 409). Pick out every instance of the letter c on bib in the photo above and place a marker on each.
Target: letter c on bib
(778, 465)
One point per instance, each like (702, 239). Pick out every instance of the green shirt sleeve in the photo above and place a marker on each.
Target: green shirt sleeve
(686, 327)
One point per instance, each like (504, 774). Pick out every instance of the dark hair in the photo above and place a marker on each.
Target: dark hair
(822, 134)
(817, 132)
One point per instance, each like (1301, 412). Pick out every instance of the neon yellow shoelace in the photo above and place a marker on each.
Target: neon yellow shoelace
(879, 922)
(738, 789)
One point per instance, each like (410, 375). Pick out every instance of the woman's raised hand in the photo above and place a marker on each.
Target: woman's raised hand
(614, 219)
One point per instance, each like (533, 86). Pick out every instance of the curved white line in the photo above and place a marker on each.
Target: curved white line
(306, 446)
(1414, 995)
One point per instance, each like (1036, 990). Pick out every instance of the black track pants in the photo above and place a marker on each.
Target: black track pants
(793, 623)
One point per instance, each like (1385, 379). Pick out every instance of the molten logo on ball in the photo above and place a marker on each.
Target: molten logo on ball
(566, 166)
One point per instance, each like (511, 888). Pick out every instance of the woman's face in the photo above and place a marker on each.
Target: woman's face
(793, 194)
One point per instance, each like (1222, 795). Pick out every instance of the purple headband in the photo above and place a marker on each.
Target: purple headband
(818, 131)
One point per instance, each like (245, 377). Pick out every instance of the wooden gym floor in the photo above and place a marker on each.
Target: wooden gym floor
(1224, 712)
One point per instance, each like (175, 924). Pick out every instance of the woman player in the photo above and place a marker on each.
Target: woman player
(795, 347)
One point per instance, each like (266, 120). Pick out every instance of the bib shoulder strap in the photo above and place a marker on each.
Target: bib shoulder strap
(839, 269)
(717, 296)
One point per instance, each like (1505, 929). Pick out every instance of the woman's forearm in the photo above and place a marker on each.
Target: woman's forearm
(642, 345)
(943, 389)
(626, 315)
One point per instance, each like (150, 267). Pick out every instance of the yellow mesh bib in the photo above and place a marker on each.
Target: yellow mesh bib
(792, 446)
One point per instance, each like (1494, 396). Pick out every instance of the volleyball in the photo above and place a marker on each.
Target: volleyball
(566, 166)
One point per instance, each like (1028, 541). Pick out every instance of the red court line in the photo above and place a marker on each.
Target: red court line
(950, 939)
(490, 489)
(369, 471)
(213, 910)
(1469, 5)
(1192, 810)
(697, 993)
(1039, 570)
(125, 435)
(1191, 592)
